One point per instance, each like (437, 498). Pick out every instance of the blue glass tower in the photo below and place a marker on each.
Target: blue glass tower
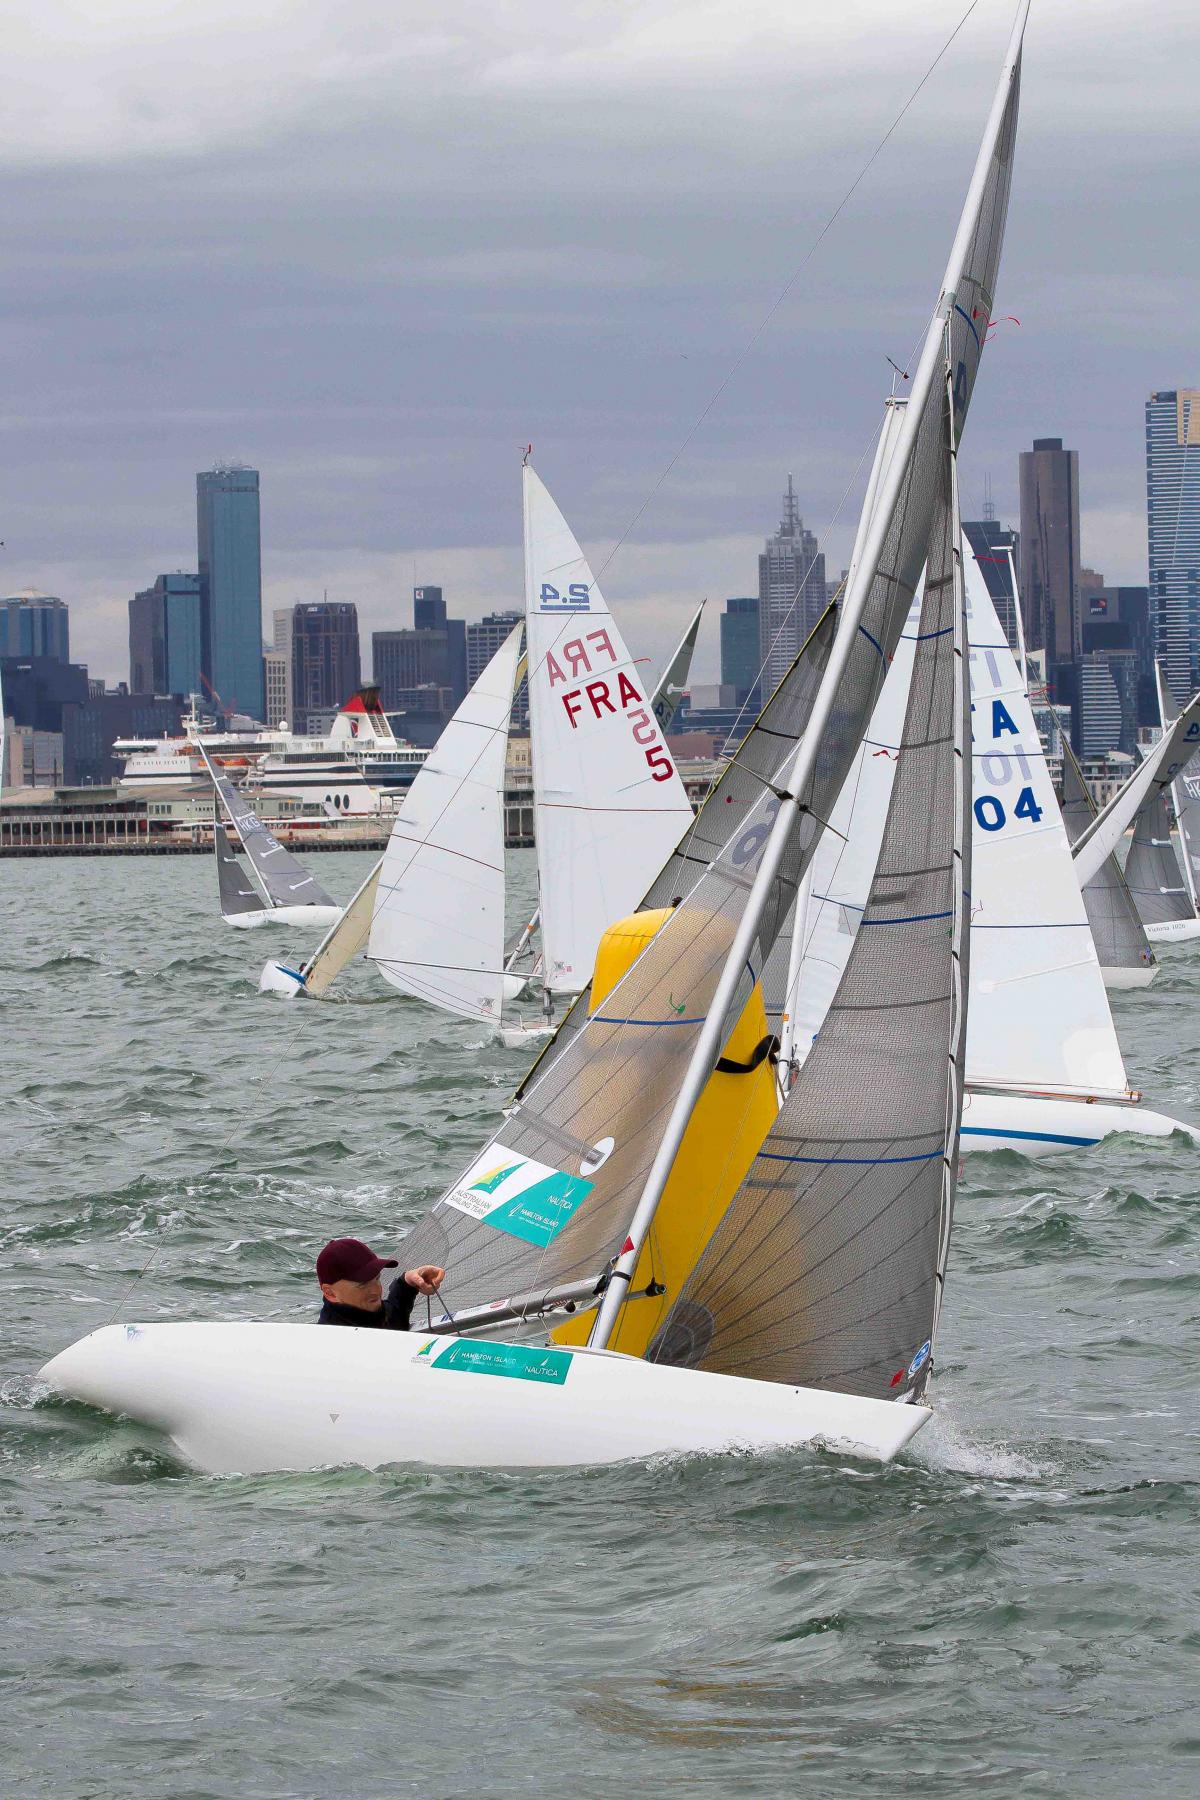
(1173, 519)
(230, 565)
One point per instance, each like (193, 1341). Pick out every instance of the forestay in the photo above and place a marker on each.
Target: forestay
(1117, 930)
(437, 930)
(825, 1269)
(595, 1111)
(1040, 1018)
(285, 880)
(608, 802)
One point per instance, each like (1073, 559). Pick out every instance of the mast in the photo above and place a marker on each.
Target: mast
(931, 370)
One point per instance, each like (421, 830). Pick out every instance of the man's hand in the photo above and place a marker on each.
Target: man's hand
(427, 1279)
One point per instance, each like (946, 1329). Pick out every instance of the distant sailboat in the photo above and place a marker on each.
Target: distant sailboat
(270, 886)
(758, 1277)
(431, 911)
(1126, 957)
(1162, 883)
(1044, 1070)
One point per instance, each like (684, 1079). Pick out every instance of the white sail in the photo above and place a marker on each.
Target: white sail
(437, 931)
(674, 679)
(1184, 796)
(1039, 1014)
(608, 802)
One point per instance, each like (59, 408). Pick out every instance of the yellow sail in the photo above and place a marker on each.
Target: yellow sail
(728, 1125)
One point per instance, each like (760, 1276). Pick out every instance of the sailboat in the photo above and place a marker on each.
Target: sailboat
(271, 887)
(746, 1275)
(1126, 957)
(1044, 1070)
(431, 911)
(1163, 885)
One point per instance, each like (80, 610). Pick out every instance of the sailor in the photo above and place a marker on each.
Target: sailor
(348, 1271)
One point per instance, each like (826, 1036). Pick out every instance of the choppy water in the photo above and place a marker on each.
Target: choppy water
(1011, 1608)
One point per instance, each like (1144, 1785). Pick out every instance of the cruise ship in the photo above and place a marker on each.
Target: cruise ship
(360, 768)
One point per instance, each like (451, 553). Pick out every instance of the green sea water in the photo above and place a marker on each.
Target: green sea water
(1011, 1608)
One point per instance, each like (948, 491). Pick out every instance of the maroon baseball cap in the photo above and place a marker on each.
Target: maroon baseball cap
(349, 1259)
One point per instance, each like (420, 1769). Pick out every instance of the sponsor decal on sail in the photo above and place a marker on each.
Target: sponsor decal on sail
(519, 1195)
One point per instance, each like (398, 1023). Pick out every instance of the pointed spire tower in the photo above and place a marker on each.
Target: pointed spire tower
(791, 592)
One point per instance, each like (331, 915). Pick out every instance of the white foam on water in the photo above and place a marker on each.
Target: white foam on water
(944, 1448)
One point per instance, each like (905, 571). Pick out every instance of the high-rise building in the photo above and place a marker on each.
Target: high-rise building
(739, 648)
(791, 593)
(1050, 561)
(1173, 519)
(277, 687)
(230, 563)
(429, 609)
(35, 624)
(1106, 703)
(404, 660)
(429, 614)
(165, 637)
(326, 665)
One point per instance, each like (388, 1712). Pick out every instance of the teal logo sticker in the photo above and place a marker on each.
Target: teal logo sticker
(513, 1362)
(518, 1195)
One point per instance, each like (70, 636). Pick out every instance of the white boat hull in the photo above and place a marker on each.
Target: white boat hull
(1043, 1126)
(1174, 931)
(285, 915)
(1141, 977)
(278, 978)
(251, 1398)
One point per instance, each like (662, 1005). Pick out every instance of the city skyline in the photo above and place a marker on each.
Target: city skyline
(444, 315)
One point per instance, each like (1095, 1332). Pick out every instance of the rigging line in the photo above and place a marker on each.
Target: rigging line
(238, 1126)
(769, 315)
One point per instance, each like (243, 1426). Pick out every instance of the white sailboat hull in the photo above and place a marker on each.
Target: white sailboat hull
(251, 1398)
(278, 978)
(1174, 931)
(1139, 977)
(1039, 1125)
(284, 915)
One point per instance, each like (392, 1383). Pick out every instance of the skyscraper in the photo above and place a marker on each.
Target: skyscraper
(230, 564)
(791, 593)
(35, 624)
(1173, 519)
(429, 614)
(739, 647)
(165, 637)
(326, 666)
(1050, 552)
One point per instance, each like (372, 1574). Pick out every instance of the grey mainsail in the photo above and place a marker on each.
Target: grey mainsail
(825, 1269)
(670, 690)
(285, 880)
(1152, 869)
(1117, 929)
(238, 893)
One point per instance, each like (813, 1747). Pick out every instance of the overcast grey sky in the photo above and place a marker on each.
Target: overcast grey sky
(372, 250)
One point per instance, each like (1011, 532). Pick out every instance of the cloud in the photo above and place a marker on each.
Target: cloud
(374, 253)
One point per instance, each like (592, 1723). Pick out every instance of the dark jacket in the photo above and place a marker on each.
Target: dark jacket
(393, 1315)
